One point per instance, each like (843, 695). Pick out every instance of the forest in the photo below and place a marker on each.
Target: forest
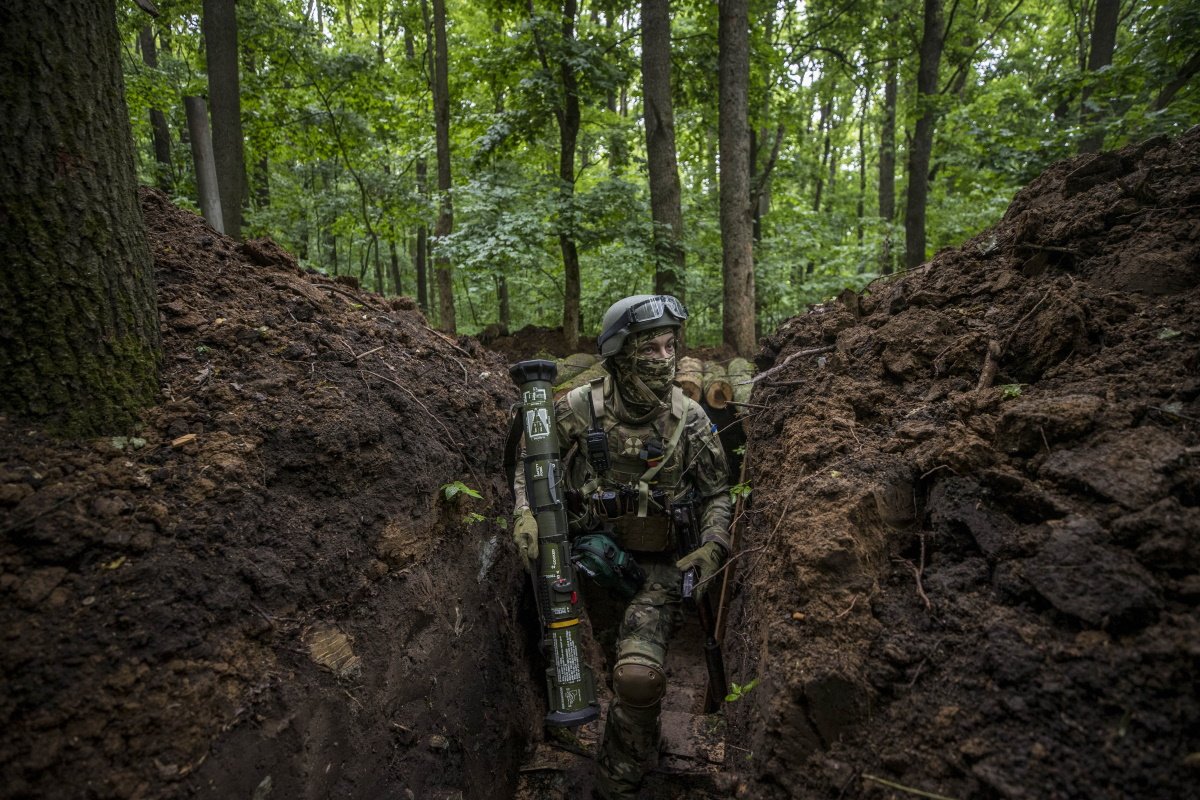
(582, 140)
(269, 265)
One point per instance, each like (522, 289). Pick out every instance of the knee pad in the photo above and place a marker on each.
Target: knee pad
(639, 684)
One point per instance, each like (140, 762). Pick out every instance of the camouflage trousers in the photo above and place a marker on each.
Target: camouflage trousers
(631, 735)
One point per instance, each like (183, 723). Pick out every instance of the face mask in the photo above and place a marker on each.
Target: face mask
(656, 373)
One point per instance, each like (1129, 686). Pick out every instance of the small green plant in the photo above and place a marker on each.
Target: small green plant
(739, 690)
(1010, 391)
(203, 349)
(1168, 333)
(472, 517)
(502, 522)
(740, 450)
(453, 491)
(740, 490)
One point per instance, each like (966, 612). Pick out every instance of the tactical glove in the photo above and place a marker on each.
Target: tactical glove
(525, 534)
(707, 559)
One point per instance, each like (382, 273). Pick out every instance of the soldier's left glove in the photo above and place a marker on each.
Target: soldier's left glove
(707, 559)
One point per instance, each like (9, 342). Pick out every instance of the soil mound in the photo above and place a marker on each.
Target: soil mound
(972, 564)
(266, 588)
(534, 341)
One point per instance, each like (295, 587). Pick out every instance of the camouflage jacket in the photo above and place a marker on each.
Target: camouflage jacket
(695, 465)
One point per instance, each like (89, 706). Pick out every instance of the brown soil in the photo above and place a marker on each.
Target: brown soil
(988, 588)
(534, 341)
(265, 590)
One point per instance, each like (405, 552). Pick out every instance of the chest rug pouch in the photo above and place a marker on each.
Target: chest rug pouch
(598, 557)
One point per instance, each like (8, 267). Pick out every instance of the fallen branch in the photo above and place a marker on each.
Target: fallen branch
(991, 363)
(902, 788)
(812, 351)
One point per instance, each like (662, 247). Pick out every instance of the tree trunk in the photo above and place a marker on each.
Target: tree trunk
(568, 135)
(262, 176)
(1104, 41)
(164, 176)
(394, 264)
(505, 315)
(887, 164)
(80, 347)
(862, 161)
(736, 225)
(825, 126)
(422, 190)
(202, 155)
(224, 93)
(441, 119)
(922, 142)
(661, 162)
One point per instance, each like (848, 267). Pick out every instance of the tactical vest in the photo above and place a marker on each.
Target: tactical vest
(645, 468)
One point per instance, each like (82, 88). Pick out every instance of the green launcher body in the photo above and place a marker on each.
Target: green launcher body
(569, 680)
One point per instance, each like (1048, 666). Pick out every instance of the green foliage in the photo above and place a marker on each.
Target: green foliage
(337, 117)
(453, 492)
(737, 690)
(739, 490)
(1010, 391)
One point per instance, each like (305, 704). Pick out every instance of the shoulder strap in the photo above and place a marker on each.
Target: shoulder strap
(672, 443)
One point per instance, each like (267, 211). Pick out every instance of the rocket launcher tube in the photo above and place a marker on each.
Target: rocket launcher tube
(569, 682)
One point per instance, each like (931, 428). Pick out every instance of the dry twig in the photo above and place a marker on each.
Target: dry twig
(811, 351)
(902, 788)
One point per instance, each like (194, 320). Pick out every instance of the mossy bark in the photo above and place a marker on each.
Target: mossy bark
(79, 347)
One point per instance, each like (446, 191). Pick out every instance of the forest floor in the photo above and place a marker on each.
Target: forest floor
(965, 574)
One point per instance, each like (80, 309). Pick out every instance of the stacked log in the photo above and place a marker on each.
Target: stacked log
(575, 364)
(709, 383)
(690, 377)
(741, 372)
(718, 391)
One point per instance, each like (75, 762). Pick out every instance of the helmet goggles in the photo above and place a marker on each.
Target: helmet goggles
(641, 315)
(654, 308)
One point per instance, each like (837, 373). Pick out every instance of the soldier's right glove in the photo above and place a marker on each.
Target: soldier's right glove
(525, 534)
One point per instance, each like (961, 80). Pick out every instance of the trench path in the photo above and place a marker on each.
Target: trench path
(694, 751)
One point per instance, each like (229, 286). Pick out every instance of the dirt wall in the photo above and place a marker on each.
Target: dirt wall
(972, 561)
(263, 591)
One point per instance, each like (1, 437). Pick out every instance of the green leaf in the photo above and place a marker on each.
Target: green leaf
(451, 491)
(1010, 391)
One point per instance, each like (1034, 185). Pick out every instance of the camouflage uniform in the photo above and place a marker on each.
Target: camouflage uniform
(696, 466)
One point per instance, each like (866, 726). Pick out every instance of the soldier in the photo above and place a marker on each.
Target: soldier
(634, 445)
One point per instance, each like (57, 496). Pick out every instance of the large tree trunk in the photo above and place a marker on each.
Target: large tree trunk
(736, 220)
(568, 135)
(660, 148)
(441, 119)
(419, 247)
(164, 176)
(887, 164)
(922, 142)
(79, 347)
(1104, 41)
(224, 95)
(207, 186)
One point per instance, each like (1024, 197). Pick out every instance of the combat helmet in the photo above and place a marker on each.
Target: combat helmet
(640, 312)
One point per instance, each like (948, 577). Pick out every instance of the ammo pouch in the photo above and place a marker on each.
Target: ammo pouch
(619, 508)
(598, 557)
